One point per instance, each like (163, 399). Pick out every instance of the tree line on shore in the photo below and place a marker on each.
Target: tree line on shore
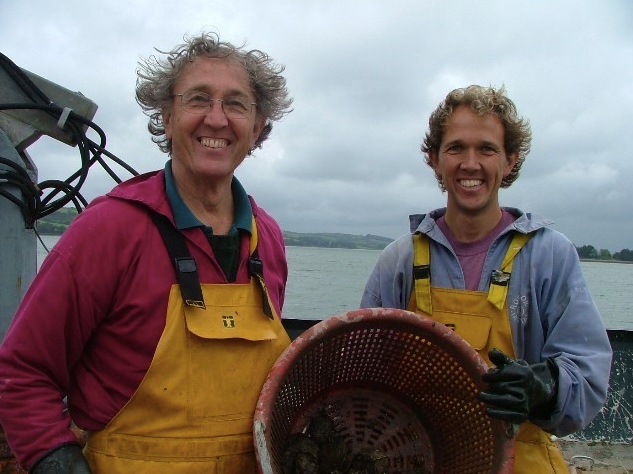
(589, 252)
(57, 222)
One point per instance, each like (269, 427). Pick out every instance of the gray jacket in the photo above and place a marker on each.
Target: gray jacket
(551, 311)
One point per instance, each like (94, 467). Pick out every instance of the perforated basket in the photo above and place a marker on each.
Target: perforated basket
(391, 380)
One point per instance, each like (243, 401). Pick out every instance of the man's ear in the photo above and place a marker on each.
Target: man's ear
(433, 158)
(511, 161)
(258, 126)
(167, 123)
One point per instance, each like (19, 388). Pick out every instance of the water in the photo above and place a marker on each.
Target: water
(324, 281)
(611, 285)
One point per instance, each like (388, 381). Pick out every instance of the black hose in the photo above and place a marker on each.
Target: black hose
(34, 203)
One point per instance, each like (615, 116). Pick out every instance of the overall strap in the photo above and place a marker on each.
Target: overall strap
(187, 271)
(422, 272)
(184, 263)
(256, 270)
(500, 279)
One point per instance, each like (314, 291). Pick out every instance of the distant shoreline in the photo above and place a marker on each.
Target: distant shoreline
(355, 242)
(56, 223)
(319, 240)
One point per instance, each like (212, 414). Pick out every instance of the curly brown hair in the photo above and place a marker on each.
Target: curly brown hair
(156, 79)
(482, 100)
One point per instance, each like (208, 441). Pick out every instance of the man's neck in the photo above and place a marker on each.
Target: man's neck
(472, 227)
(213, 207)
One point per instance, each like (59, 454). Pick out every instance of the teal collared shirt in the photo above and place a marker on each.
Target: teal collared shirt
(185, 219)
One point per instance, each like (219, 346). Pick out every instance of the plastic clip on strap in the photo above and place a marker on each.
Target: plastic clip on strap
(422, 273)
(63, 117)
(500, 279)
(422, 276)
(184, 264)
(189, 281)
(256, 269)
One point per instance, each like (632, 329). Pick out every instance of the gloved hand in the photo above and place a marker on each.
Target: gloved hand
(66, 459)
(518, 391)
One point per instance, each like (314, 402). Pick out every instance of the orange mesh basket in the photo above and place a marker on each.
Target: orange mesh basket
(390, 380)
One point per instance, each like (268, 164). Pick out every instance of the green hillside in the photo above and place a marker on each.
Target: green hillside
(56, 224)
(334, 240)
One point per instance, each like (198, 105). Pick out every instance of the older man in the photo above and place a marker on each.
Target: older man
(154, 321)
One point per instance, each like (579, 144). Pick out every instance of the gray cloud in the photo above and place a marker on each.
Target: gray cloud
(365, 76)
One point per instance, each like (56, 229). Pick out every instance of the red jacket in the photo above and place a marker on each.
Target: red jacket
(90, 321)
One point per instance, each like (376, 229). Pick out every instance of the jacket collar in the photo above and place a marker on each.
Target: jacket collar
(149, 190)
(525, 222)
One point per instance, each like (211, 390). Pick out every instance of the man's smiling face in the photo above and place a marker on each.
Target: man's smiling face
(210, 145)
(472, 161)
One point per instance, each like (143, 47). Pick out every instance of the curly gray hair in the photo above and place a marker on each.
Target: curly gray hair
(156, 79)
(482, 100)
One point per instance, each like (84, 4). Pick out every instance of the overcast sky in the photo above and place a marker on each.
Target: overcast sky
(364, 77)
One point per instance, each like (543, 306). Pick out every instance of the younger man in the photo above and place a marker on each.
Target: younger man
(509, 285)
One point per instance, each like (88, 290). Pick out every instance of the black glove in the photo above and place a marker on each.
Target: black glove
(518, 391)
(66, 459)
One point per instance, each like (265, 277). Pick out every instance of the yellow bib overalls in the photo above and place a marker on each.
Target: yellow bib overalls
(482, 320)
(193, 411)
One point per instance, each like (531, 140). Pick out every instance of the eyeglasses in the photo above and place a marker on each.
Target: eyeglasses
(197, 102)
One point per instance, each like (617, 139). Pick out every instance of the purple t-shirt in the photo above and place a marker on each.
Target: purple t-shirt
(472, 255)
